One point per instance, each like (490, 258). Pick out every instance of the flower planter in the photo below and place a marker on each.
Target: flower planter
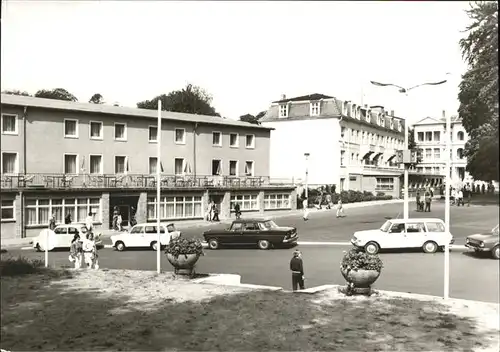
(184, 263)
(360, 278)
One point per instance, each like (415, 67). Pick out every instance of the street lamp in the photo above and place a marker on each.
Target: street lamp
(306, 155)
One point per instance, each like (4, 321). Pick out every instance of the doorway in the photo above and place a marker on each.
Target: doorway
(126, 205)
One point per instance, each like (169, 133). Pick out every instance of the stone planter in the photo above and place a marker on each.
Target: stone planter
(360, 281)
(184, 263)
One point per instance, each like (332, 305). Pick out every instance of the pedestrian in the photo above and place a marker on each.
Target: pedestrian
(215, 210)
(427, 201)
(237, 210)
(88, 247)
(88, 222)
(453, 196)
(52, 222)
(329, 201)
(297, 268)
(460, 196)
(418, 200)
(469, 196)
(340, 209)
(67, 219)
(306, 210)
(133, 220)
(116, 212)
(119, 221)
(75, 252)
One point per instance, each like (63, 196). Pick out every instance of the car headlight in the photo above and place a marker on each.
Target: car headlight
(481, 244)
(467, 240)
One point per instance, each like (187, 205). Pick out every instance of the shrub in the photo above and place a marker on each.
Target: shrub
(357, 259)
(186, 246)
(19, 266)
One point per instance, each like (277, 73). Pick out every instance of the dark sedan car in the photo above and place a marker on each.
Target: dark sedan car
(262, 232)
(485, 242)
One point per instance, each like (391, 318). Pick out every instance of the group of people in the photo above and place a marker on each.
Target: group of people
(84, 252)
(457, 196)
(212, 213)
(340, 208)
(424, 205)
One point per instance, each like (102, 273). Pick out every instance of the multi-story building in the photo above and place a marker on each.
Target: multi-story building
(430, 137)
(62, 158)
(352, 146)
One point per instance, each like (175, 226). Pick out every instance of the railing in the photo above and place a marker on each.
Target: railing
(93, 181)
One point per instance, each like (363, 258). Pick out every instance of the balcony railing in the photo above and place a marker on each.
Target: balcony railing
(86, 181)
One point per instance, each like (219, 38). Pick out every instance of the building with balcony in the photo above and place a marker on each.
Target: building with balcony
(430, 137)
(350, 145)
(61, 157)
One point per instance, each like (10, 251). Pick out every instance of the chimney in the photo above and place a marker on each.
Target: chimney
(444, 114)
(392, 113)
(283, 97)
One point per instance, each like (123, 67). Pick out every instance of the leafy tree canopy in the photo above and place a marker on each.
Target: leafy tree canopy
(57, 94)
(16, 92)
(96, 99)
(478, 93)
(190, 99)
(252, 119)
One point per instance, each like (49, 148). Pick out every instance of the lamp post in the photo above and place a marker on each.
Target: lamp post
(306, 155)
(158, 189)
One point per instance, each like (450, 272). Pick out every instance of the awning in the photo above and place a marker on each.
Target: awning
(367, 155)
(391, 157)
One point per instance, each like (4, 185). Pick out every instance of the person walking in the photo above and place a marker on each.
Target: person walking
(340, 209)
(306, 210)
(88, 247)
(67, 219)
(460, 196)
(428, 201)
(216, 212)
(52, 222)
(418, 200)
(89, 222)
(469, 196)
(237, 210)
(116, 212)
(297, 268)
(75, 252)
(119, 221)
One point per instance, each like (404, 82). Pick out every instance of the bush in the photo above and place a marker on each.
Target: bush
(346, 197)
(357, 259)
(19, 266)
(181, 245)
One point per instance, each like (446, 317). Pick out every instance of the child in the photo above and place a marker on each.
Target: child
(340, 209)
(75, 252)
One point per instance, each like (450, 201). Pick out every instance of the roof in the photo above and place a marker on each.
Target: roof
(437, 121)
(251, 220)
(18, 100)
(416, 219)
(314, 96)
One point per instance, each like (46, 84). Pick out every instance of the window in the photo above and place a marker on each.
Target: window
(178, 166)
(420, 136)
(152, 229)
(435, 227)
(137, 229)
(277, 201)
(234, 141)
(233, 168)
(314, 108)
(70, 163)
(342, 132)
(385, 184)
(8, 213)
(120, 131)
(38, 211)
(437, 136)
(249, 168)
(250, 141)
(437, 153)
(217, 139)
(180, 136)
(428, 153)
(460, 153)
(216, 168)
(342, 157)
(121, 164)
(415, 227)
(392, 124)
(95, 130)
(284, 110)
(9, 163)
(460, 136)
(428, 136)
(251, 226)
(175, 207)
(95, 164)
(246, 201)
(9, 124)
(70, 128)
(153, 162)
(153, 133)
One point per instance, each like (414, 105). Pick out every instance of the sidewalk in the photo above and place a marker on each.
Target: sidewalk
(183, 224)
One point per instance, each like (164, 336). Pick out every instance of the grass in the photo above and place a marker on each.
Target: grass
(126, 310)
(15, 266)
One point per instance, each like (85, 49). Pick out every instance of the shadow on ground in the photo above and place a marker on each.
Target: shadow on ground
(39, 312)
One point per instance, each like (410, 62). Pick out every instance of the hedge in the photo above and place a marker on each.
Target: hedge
(346, 197)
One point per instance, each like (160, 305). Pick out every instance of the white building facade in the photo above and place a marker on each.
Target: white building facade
(349, 145)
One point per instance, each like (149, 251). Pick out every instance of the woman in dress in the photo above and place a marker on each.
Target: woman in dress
(75, 252)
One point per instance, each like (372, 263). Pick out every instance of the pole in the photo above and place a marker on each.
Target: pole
(307, 180)
(158, 182)
(447, 208)
(406, 206)
(47, 248)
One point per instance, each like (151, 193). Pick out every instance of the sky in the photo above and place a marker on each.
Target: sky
(245, 54)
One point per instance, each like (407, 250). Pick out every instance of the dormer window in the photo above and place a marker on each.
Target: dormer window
(367, 115)
(400, 126)
(284, 110)
(392, 124)
(315, 108)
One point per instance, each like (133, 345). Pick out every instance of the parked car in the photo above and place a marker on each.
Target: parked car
(143, 236)
(61, 236)
(261, 232)
(428, 234)
(485, 242)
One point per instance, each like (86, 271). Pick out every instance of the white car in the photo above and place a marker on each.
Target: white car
(144, 235)
(426, 233)
(61, 237)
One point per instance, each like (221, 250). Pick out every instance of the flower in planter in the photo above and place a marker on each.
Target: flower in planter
(184, 246)
(358, 259)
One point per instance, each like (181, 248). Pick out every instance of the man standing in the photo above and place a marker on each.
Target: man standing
(297, 268)
(237, 210)
(460, 196)
(427, 201)
(418, 201)
(88, 222)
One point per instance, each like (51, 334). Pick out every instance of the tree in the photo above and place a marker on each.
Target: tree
(191, 99)
(16, 92)
(252, 119)
(478, 93)
(56, 94)
(96, 99)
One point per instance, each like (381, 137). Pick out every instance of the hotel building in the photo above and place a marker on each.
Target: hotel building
(350, 145)
(61, 157)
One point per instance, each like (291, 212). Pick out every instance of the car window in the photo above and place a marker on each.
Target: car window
(262, 226)
(415, 227)
(238, 226)
(61, 231)
(435, 227)
(397, 228)
(73, 230)
(137, 229)
(152, 229)
(250, 226)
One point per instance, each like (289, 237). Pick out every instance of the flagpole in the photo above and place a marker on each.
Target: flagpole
(158, 181)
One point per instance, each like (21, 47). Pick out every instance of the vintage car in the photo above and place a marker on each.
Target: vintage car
(485, 242)
(144, 236)
(261, 232)
(61, 237)
(426, 233)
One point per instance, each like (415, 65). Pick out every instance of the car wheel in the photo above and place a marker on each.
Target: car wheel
(120, 246)
(154, 246)
(430, 247)
(213, 243)
(372, 248)
(264, 244)
(495, 252)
